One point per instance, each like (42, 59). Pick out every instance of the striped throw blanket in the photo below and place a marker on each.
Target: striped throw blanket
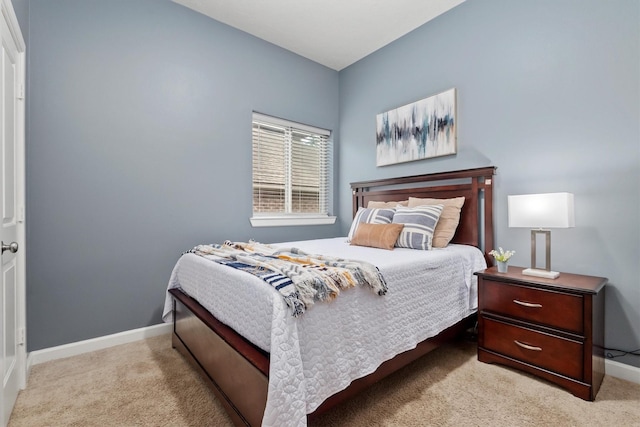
(301, 278)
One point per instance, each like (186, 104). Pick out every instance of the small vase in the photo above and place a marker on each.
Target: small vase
(502, 266)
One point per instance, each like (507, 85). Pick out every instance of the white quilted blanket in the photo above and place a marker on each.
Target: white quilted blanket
(332, 344)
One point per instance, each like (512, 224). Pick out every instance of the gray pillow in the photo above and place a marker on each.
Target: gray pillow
(419, 224)
(371, 216)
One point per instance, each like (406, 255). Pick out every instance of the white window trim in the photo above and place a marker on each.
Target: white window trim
(283, 221)
(290, 220)
(288, 123)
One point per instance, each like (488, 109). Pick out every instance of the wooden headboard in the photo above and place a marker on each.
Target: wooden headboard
(476, 219)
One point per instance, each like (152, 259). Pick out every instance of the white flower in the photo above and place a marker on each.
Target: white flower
(502, 256)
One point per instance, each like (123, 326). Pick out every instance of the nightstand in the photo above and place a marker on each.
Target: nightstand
(551, 328)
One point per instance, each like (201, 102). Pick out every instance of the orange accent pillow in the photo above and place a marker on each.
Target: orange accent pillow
(382, 236)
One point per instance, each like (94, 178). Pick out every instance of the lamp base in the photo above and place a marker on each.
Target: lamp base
(540, 273)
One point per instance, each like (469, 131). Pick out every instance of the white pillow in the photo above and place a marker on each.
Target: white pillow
(419, 224)
(376, 204)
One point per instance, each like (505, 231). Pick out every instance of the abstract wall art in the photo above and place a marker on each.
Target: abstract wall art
(421, 130)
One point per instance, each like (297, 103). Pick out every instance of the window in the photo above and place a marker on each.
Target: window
(291, 173)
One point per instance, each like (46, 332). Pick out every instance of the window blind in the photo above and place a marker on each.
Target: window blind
(291, 167)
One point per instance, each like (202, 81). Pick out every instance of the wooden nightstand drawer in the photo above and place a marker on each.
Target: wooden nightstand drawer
(546, 307)
(546, 351)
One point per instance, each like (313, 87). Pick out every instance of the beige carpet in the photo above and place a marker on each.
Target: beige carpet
(147, 383)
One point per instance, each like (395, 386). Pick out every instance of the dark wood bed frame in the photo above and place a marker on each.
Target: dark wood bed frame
(238, 372)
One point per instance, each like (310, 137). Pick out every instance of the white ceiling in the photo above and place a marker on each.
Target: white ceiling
(335, 33)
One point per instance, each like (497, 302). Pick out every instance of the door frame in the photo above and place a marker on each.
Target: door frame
(9, 16)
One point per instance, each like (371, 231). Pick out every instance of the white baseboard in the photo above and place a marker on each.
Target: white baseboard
(622, 370)
(81, 347)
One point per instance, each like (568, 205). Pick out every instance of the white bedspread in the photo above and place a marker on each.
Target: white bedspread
(332, 344)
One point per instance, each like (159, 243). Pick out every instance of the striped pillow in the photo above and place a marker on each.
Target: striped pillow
(371, 216)
(419, 223)
(449, 220)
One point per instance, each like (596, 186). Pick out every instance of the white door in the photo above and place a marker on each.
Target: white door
(12, 366)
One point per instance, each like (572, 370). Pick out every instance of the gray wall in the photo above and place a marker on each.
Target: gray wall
(21, 8)
(549, 92)
(139, 147)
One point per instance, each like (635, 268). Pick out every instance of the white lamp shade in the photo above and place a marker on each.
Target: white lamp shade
(550, 210)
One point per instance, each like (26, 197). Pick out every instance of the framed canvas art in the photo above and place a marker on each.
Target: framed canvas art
(421, 130)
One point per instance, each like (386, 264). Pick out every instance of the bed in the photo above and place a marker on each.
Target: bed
(290, 370)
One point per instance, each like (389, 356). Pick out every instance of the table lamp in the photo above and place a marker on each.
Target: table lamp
(541, 212)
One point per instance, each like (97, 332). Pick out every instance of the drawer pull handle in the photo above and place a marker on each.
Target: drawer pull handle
(528, 304)
(527, 346)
